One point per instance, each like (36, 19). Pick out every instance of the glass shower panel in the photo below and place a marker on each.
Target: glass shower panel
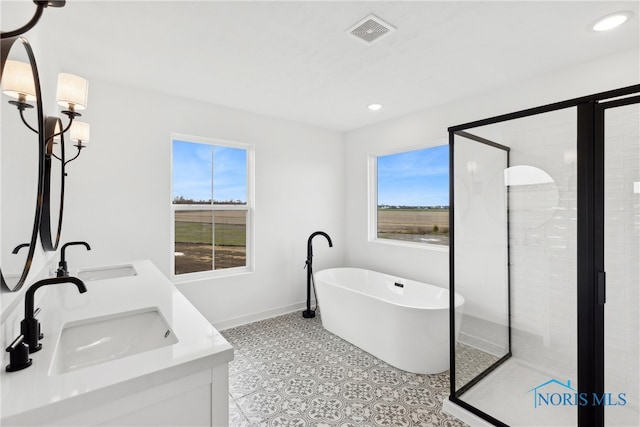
(536, 385)
(481, 273)
(622, 264)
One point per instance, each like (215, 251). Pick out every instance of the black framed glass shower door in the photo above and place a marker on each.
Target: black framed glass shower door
(618, 139)
(590, 373)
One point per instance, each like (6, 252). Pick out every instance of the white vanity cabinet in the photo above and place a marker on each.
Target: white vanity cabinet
(103, 376)
(198, 399)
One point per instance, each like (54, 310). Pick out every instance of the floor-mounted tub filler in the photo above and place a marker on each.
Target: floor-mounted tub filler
(403, 322)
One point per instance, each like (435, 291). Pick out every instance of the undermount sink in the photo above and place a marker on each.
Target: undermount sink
(102, 339)
(107, 272)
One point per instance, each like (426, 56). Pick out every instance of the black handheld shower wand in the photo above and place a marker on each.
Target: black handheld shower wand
(308, 313)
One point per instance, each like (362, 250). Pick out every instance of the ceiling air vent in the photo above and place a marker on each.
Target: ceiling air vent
(371, 29)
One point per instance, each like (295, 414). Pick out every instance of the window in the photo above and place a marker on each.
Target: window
(411, 196)
(211, 204)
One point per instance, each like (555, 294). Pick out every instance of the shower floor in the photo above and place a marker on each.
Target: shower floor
(505, 395)
(290, 371)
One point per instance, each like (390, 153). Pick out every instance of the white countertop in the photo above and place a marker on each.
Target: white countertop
(36, 393)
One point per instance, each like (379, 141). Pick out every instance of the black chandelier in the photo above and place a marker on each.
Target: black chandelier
(20, 80)
(40, 5)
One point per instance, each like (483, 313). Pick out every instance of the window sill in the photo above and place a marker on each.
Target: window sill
(210, 275)
(406, 244)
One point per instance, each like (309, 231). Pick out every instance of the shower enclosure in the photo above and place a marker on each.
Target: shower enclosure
(545, 249)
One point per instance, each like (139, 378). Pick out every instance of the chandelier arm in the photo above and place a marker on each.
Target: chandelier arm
(66, 128)
(25, 122)
(62, 132)
(74, 157)
(55, 135)
(29, 25)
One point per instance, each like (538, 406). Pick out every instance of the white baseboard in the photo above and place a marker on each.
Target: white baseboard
(263, 315)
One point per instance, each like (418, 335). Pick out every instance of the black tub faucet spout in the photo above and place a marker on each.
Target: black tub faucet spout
(308, 313)
(310, 246)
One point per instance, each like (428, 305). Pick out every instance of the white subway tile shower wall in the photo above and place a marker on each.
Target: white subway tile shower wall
(543, 243)
(543, 248)
(622, 241)
(543, 220)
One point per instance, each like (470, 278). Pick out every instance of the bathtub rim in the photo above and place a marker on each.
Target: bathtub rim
(459, 304)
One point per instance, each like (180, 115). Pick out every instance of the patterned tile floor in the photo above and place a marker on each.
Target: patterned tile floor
(470, 362)
(290, 371)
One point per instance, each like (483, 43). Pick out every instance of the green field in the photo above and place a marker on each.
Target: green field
(225, 234)
(194, 245)
(414, 225)
(198, 227)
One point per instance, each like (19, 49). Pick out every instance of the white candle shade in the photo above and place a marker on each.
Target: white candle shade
(72, 91)
(80, 131)
(17, 80)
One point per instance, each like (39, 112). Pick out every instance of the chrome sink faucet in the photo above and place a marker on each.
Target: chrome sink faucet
(30, 334)
(62, 270)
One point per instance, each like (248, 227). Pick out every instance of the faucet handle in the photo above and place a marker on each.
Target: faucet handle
(62, 269)
(18, 355)
(35, 314)
(31, 332)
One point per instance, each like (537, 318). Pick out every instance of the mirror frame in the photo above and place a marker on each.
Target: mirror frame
(46, 236)
(5, 48)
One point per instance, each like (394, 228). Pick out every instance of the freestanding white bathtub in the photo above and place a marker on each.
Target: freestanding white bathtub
(403, 322)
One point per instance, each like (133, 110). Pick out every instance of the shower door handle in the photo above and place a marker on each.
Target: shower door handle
(602, 289)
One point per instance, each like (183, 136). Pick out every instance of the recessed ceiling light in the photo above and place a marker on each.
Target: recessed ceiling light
(374, 107)
(611, 21)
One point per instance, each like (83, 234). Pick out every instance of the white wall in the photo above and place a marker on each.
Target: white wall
(118, 194)
(118, 190)
(429, 127)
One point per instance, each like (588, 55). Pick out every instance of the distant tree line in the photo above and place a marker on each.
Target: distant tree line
(181, 200)
(412, 207)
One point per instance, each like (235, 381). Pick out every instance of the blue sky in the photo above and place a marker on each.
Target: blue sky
(414, 178)
(200, 169)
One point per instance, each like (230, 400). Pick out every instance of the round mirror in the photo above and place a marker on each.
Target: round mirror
(22, 157)
(53, 195)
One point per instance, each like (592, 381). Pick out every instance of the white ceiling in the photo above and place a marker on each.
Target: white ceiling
(295, 60)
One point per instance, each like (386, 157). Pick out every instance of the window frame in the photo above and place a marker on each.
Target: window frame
(372, 205)
(249, 208)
